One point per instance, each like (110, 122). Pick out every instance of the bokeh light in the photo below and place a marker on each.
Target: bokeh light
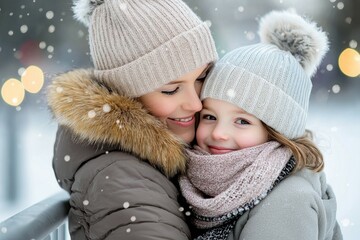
(33, 79)
(13, 92)
(349, 62)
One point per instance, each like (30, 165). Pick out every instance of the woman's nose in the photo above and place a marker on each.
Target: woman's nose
(192, 102)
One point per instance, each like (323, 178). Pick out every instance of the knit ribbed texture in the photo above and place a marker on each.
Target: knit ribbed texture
(140, 45)
(266, 82)
(250, 173)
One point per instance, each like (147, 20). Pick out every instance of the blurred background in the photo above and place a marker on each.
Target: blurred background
(40, 38)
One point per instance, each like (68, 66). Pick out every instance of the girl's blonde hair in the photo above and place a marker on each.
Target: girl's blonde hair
(305, 152)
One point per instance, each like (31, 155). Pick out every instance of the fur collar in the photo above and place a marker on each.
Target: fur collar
(99, 115)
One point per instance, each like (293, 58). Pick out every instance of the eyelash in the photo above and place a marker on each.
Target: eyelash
(208, 116)
(200, 79)
(246, 122)
(170, 92)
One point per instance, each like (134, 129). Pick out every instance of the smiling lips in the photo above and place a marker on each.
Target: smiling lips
(184, 122)
(219, 150)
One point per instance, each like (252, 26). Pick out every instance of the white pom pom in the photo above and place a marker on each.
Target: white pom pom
(290, 32)
(84, 8)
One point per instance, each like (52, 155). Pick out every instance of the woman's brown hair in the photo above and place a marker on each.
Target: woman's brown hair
(305, 152)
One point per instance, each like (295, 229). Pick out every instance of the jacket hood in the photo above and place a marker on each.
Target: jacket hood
(98, 115)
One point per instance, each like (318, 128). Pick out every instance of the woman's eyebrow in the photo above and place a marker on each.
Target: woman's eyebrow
(174, 82)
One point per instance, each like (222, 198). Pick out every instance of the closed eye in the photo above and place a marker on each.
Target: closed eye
(170, 92)
(203, 75)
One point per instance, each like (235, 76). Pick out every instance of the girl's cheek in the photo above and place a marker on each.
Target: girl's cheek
(201, 133)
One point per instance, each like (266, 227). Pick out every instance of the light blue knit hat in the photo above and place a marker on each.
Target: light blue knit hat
(271, 80)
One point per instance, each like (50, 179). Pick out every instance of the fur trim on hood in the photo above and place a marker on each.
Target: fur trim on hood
(98, 115)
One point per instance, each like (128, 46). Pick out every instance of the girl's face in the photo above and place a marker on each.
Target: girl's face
(176, 103)
(224, 127)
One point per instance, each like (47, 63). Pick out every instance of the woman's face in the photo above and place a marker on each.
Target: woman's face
(176, 103)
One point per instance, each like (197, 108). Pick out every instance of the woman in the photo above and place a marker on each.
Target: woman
(123, 125)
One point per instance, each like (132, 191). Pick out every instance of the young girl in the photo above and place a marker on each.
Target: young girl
(255, 173)
(123, 125)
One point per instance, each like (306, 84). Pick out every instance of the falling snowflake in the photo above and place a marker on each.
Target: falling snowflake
(67, 158)
(106, 108)
(329, 67)
(230, 93)
(51, 29)
(241, 9)
(23, 29)
(86, 202)
(353, 43)
(250, 36)
(126, 205)
(4, 230)
(128, 230)
(181, 209)
(49, 14)
(91, 114)
(50, 49)
(345, 222)
(42, 45)
(21, 71)
(334, 129)
(340, 5)
(59, 89)
(208, 22)
(133, 218)
(336, 88)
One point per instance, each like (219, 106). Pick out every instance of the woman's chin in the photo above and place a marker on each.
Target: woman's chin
(186, 136)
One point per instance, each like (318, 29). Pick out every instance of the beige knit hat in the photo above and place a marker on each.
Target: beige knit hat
(139, 45)
(271, 80)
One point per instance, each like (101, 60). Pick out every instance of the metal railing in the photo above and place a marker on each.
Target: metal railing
(45, 220)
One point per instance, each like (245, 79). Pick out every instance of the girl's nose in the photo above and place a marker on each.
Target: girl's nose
(219, 133)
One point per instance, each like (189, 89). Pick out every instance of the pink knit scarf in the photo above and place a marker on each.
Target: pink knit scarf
(214, 185)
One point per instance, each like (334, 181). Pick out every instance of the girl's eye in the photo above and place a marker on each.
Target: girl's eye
(208, 117)
(242, 121)
(170, 92)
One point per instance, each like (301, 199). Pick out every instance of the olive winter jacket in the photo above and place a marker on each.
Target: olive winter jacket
(116, 161)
